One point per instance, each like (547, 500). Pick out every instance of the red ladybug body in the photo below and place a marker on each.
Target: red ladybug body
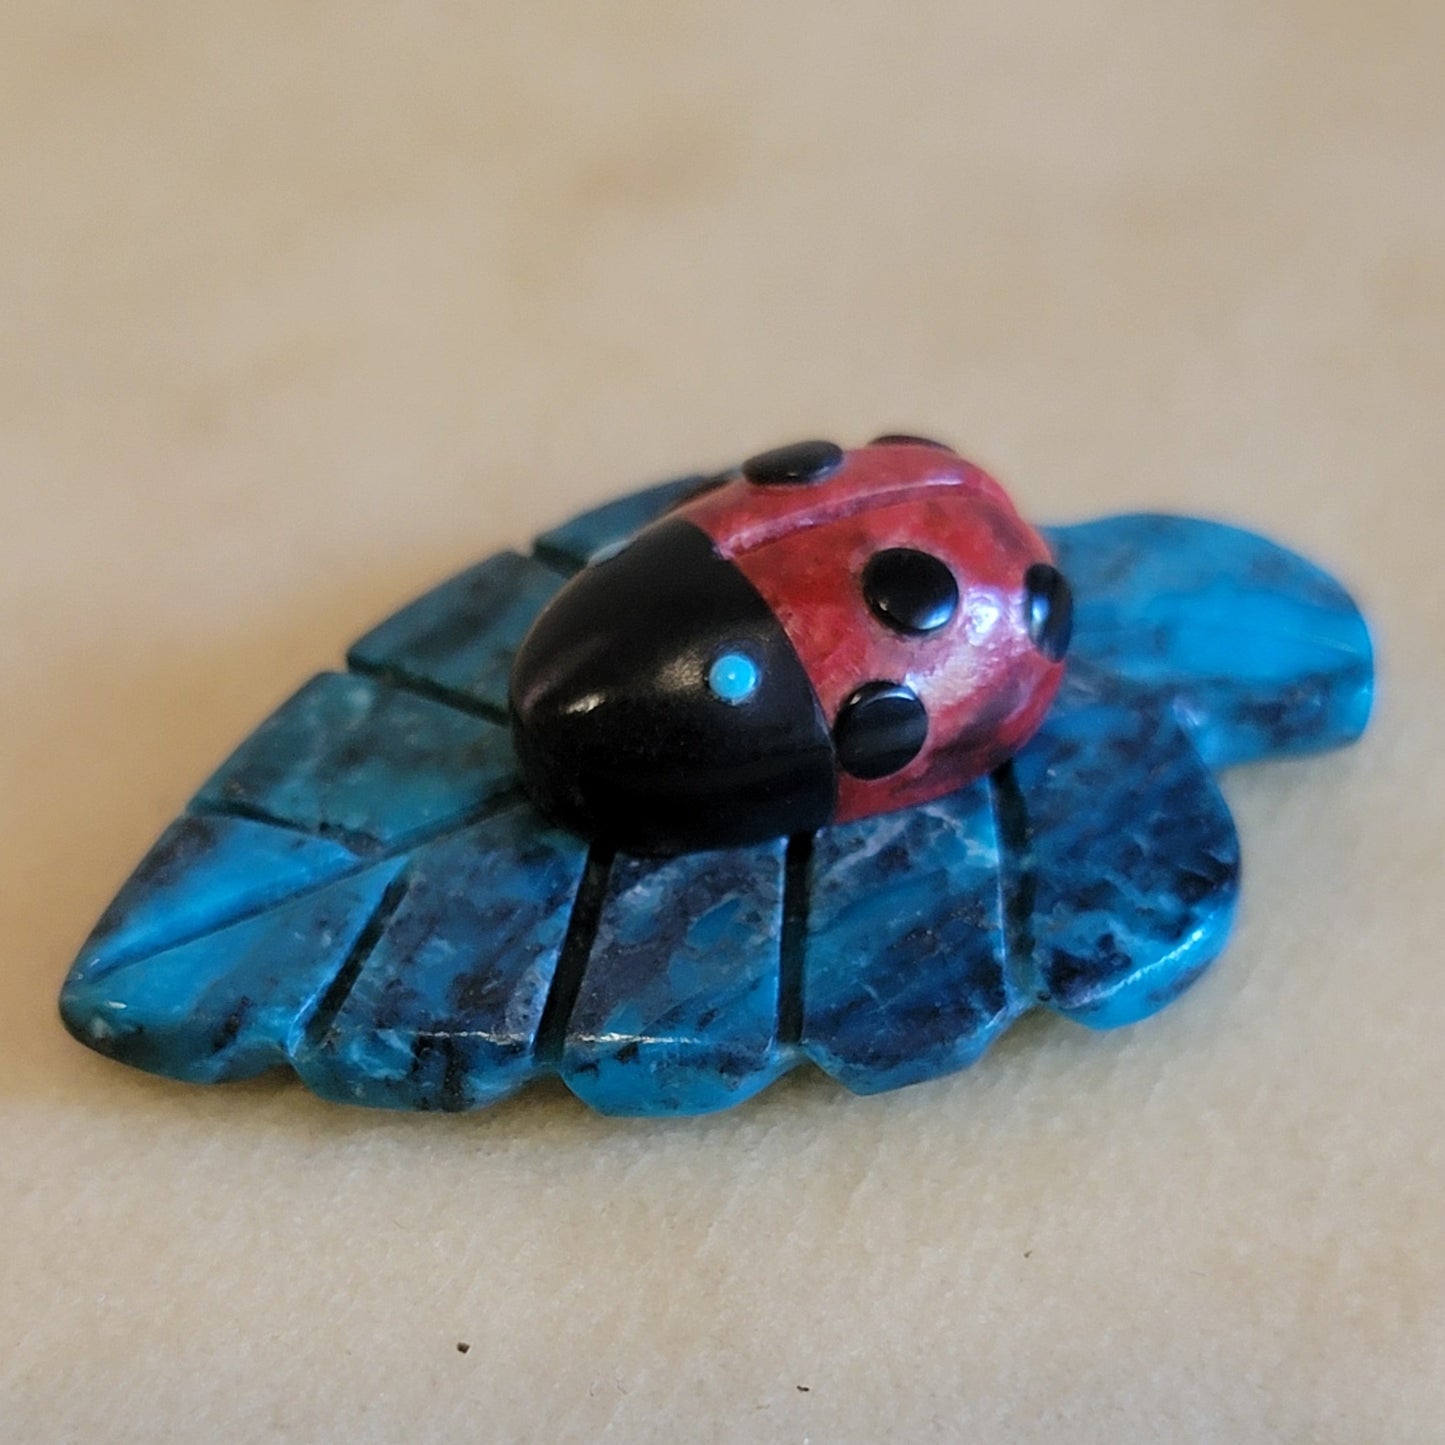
(984, 685)
(822, 636)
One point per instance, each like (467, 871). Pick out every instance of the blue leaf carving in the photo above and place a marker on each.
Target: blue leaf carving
(362, 893)
(905, 959)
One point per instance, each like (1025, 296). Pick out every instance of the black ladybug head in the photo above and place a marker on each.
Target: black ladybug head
(657, 702)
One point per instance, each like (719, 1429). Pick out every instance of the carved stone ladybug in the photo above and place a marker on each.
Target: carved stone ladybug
(820, 636)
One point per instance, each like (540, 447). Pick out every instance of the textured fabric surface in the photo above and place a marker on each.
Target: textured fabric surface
(308, 307)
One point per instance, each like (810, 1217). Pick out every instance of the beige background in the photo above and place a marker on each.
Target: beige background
(306, 304)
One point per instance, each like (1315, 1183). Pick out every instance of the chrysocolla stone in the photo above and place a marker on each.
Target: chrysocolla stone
(905, 963)
(361, 894)
(371, 766)
(677, 1012)
(1260, 652)
(204, 872)
(442, 1011)
(1132, 895)
(234, 1002)
(456, 642)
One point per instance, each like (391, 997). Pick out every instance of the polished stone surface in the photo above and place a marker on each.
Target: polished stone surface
(906, 963)
(1260, 652)
(310, 306)
(456, 642)
(678, 1009)
(362, 892)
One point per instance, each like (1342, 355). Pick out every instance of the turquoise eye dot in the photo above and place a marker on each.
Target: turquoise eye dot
(733, 677)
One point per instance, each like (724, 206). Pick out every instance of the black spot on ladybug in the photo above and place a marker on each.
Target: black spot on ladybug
(904, 439)
(1049, 602)
(796, 465)
(909, 590)
(879, 729)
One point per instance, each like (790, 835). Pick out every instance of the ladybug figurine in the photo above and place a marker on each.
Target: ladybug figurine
(727, 775)
(818, 637)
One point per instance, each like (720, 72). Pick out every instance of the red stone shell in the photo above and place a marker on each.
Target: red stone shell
(985, 686)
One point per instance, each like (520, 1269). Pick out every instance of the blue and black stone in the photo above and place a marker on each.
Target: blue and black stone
(363, 894)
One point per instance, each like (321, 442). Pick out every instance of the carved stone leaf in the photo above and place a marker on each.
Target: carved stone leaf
(362, 893)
